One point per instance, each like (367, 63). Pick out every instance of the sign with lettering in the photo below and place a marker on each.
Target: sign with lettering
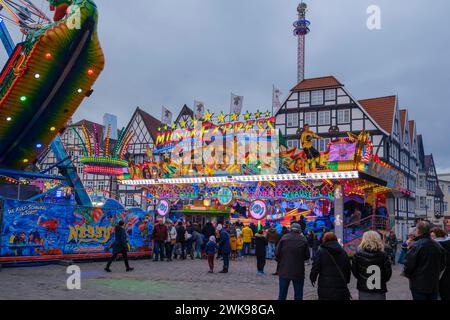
(258, 209)
(41, 229)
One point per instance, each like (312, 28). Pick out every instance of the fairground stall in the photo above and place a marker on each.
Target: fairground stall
(238, 168)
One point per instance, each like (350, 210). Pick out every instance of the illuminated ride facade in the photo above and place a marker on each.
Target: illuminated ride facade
(238, 167)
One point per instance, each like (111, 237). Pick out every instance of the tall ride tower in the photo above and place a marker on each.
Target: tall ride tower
(301, 28)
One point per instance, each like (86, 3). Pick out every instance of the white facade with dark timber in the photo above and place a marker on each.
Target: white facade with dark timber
(325, 104)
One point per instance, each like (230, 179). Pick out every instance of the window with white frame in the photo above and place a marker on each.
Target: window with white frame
(317, 97)
(292, 119)
(304, 97)
(343, 116)
(324, 117)
(294, 143)
(101, 185)
(445, 206)
(129, 201)
(422, 202)
(322, 144)
(330, 94)
(310, 118)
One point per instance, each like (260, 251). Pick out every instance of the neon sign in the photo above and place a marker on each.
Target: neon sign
(258, 209)
(163, 208)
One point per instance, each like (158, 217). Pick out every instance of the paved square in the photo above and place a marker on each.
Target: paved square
(177, 280)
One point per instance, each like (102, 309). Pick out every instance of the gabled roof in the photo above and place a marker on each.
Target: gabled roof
(382, 110)
(151, 123)
(403, 120)
(428, 161)
(412, 126)
(317, 83)
(185, 111)
(89, 126)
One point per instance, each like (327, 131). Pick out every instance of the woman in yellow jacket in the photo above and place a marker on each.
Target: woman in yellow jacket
(247, 235)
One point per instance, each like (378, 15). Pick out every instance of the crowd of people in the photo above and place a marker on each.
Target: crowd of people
(425, 256)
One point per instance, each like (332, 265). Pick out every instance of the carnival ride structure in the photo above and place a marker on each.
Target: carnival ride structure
(44, 81)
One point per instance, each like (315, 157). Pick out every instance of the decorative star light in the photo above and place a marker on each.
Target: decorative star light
(166, 127)
(267, 114)
(247, 115)
(194, 122)
(208, 116)
(159, 129)
(257, 114)
(221, 117)
(183, 123)
(234, 116)
(173, 126)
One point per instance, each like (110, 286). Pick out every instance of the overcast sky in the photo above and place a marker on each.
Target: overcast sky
(172, 52)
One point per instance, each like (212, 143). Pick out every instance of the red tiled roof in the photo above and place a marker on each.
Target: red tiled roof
(411, 130)
(317, 83)
(381, 110)
(403, 120)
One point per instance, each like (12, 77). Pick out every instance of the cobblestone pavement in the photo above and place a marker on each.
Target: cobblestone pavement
(177, 280)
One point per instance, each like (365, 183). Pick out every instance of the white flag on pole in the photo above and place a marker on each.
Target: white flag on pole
(276, 103)
(236, 103)
(199, 109)
(166, 116)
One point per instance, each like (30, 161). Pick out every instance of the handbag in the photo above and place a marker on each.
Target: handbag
(340, 273)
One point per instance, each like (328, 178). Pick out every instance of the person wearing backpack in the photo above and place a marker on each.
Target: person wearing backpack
(331, 269)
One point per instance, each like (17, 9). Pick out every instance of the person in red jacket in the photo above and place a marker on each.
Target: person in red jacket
(159, 237)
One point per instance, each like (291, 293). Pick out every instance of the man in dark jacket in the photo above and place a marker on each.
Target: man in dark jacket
(332, 266)
(119, 245)
(224, 247)
(159, 236)
(425, 261)
(292, 251)
(181, 241)
(260, 251)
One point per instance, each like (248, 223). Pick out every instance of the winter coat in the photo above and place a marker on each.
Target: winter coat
(180, 234)
(197, 238)
(211, 248)
(444, 283)
(361, 262)
(247, 234)
(233, 242)
(172, 234)
(425, 261)
(272, 235)
(260, 245)
(160, 232)
(239, 243)
(291, 253)
(224, 244)
(208, 230)
(120, 240)
(331, 284)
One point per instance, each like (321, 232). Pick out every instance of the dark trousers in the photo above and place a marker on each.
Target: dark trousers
(226, 260)
(189, 248)
(211, 262)
(169, 250)
(424, 296)
(114, 256)
(284, 288)
(159, 250)
(260, 263)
